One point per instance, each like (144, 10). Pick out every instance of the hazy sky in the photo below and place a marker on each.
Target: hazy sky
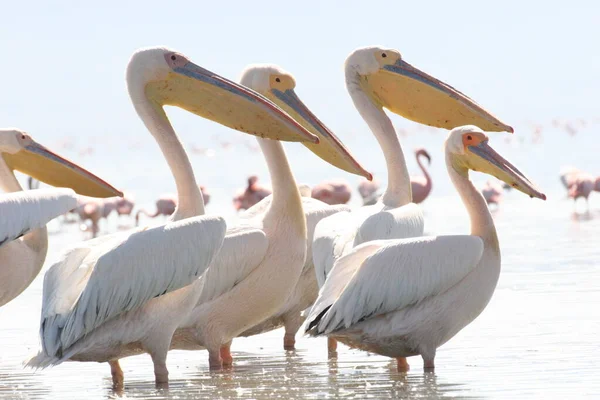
(63, 62)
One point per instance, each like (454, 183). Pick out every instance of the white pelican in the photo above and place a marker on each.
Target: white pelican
(117, 295)
(406, 297)
(23, 234)
(251, 280)
(376, 78)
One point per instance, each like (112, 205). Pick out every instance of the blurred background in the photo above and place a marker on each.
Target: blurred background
(529, 63)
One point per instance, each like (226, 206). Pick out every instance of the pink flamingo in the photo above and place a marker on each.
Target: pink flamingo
(165, 205)
(368, 191)
(582, 185)
(568, 175)
(123, 206)
(253, 193)
(421, 185)
(578, 183)
(492, 192)
(332, 192)
(92, 209)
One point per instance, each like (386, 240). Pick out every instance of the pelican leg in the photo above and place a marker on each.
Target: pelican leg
(225, 353)
(161, 373)
(289, 341)
(215, 361)
(157, 346)
(291, 324)
(428, 365)
(402, 364)
(117, 373)
(331, 345)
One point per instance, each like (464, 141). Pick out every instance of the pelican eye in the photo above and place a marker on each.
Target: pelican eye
(277, 80)
(469, 137)
(383, 55)
(173, 58)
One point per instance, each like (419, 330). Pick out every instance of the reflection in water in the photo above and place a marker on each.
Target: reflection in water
(585, 216)
(536, 339)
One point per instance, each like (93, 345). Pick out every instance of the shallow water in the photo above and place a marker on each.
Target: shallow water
(538, 337)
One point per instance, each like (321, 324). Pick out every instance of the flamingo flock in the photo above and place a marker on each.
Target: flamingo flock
(299, 258)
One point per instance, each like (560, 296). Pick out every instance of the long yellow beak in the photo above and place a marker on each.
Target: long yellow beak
(411, 93)
(484, 158)
(330, 148)
(42, 164)
(211, 96)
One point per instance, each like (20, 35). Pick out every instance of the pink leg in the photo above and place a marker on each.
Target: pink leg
(117, 373)
(428, 365)
(331, 345)
(402, 364)
(225, 353)
(289, 341)
(214, 359)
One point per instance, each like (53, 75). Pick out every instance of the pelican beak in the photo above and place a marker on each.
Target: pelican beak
(485, 159)
(411, 93)
(211, 96)
(42, 164)
(330, 148)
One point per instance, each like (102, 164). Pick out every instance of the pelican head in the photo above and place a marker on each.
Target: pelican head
(166, 77)
(467, 148)
(403, 89)
(20, 152)
(278, 85)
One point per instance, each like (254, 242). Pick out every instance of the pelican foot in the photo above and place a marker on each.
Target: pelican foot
(215, 363)
(331, 345)
(161, 375)
(402, 364)
(225, 353)
(428, 365)
(289, 341)
(117, 374)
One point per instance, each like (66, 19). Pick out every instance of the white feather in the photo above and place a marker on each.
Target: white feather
(396, 223)
(21, 212)
(338, 234)
(414, 269)
(243, 249)
(101, 279)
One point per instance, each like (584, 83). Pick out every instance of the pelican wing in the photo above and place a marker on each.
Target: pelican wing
(315, 211)
(396, 223)
(333, 238)
(243, 249)
(21, 212)
(101, 279)
(388, 275)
